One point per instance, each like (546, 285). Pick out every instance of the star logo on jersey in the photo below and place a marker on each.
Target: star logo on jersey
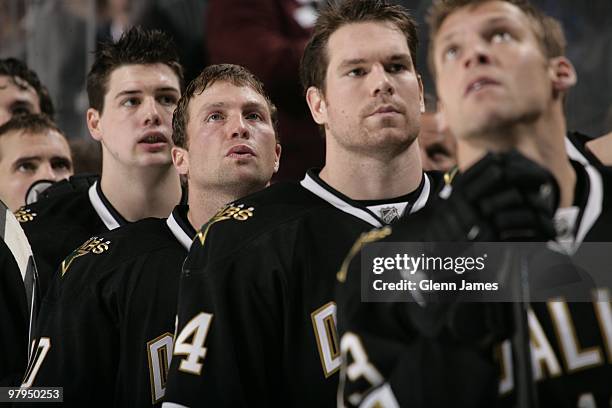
(365, 238)
(238, 213)
(94, 245)
(24, 215)
(388, 214)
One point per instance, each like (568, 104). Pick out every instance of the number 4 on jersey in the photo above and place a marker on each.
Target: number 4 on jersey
(196, 330)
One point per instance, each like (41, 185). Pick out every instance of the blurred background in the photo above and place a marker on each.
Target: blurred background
(56, 39)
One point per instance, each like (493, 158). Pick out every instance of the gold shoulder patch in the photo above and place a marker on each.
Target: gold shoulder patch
(450, 175)
(238, 213)
(367, 237)
(24, 214)
(94, 245)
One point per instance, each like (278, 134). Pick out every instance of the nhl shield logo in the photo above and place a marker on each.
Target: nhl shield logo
(388, 214)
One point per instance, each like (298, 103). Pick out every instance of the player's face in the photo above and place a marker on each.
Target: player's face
(438, 146)
(373, 96)
(231, 139)
(490, 69)
(28, 157)
(135, 127)
(16, 97)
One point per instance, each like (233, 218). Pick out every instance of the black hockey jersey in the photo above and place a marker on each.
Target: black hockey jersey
(397, 354)
(63, 220)
(256, 314)
(390, 363)
(105, 330)
(579, 141)
(17, 277)
(571, 343)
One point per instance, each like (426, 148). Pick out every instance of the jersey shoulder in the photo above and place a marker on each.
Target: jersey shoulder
(261, 212)
(439, 180)
(119, 249)
(16, 267)
(602, 213)
(78, 182)
(257, 218)
(67, 210)
(579, 141)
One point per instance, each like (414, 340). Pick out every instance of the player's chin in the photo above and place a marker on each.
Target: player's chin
(248, 178)
(395, 134)
(246, 170)
(243, 160)
(155, 159)
(487, 120)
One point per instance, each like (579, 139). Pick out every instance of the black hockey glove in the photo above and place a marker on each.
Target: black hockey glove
(503, 197)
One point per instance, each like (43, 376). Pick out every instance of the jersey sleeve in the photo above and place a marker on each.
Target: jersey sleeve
(401, 354)
(227, 351)
(76, 333)
(17, 291)
(13, 318)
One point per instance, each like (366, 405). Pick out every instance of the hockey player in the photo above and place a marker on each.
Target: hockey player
(105, 328)
(32, 149)
(17, 274)
(501, 76)
(256, 314)
(133, 87)
(513, 76)
(21, 91)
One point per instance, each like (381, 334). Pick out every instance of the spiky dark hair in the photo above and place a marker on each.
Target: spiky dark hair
(136, 46)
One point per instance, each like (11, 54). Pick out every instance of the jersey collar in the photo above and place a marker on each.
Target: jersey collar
(591, 203)
(180, 227)
(313, 183)
(105, 210)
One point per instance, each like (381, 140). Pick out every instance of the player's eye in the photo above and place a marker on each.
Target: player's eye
(356, 72)
(167, 100)
(501, 36)
(214, 117)
(129, 102)
(26, 167)
(450, 53)
(21, 110)
(61, 164)
(254, 116)
(395, 68)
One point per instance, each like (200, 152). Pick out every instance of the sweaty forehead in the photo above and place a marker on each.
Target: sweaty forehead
(19, 143)
(473, 17)
(142, 78)
(224, 94)
(366, 40)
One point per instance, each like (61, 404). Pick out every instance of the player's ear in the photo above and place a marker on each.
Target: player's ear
(316, 103)
(562, 73)
(421, 94)
(93, 124)
(180, 158)
(277, 156)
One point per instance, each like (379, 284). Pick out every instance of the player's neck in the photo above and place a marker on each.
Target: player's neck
(601, 148)
(364, 177)
(141, 193)
(542, 141)
(205, 203)
(202, 207)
